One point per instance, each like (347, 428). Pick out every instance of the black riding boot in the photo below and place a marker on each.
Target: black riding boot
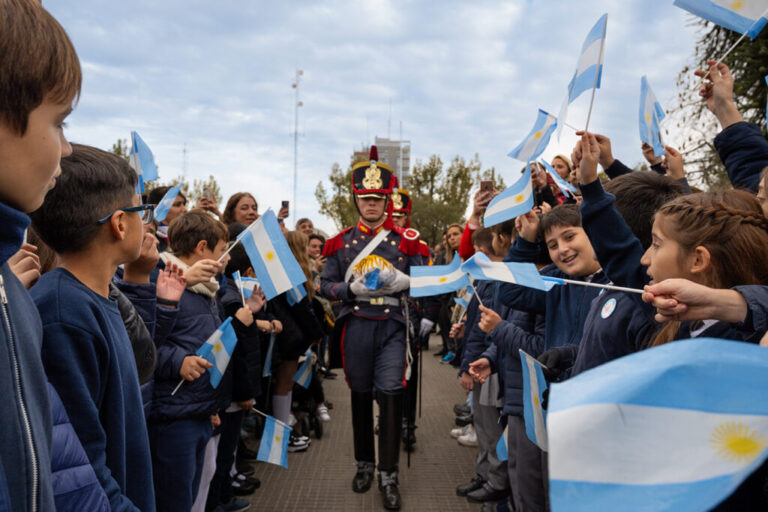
(411, 397)
(390, 423)
(362, 431)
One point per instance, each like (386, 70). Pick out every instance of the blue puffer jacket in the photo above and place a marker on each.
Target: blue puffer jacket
(475, 340)
(75, 486)
(520, 330)
(744, 152)
(197, 318)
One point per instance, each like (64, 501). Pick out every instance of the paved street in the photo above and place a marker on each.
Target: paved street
(320, 478)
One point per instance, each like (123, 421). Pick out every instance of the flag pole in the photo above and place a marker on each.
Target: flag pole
(594, 285)
(734, 45)
(476, 294)
(597, 74)
(177, 387)
(239, 237)
(253, 409)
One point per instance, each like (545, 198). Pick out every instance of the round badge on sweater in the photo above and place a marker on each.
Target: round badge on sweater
(608, 308)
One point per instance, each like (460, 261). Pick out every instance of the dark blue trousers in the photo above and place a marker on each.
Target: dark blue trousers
(178, 451)
(374, 354)
(220, 491)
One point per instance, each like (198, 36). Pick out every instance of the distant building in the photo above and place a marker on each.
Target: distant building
(394, 153)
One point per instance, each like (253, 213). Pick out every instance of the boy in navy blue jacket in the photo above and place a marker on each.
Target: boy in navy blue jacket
(93, 220)
(180, 423)
(40, 80)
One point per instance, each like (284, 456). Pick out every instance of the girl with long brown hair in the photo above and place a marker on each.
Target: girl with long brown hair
(717, 239)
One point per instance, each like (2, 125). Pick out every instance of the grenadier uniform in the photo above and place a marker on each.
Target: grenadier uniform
(372, 327)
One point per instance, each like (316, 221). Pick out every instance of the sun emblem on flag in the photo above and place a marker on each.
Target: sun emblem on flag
(519, 198)
(647, 118)
(736, 442)
(217, 347)
(537, 134)
(737, 5)
(443, 279)
(270, 256)
(277, 438)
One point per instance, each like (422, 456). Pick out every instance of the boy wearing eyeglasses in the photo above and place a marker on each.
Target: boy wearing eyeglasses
(94, 221)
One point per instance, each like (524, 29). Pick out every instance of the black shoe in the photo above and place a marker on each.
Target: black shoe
(363, 478)
(461, 409)
(247, 480)
(390, 494)
(473, 485)
(463, 420)
(440, 353)
(487, 493)
(244, 468)
(242, 488)
(330, 374)
(409, 435)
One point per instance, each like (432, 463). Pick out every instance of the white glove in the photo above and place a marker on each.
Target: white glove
(359, 289)
(426, 327)
(400, 282)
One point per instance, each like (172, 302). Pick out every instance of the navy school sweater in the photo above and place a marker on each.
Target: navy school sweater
(744, 151)
(89, 360)
(564, 307)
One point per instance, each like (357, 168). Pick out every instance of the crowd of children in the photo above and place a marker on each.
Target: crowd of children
(109, 407)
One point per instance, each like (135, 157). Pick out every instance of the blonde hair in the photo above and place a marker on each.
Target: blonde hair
(297, 241)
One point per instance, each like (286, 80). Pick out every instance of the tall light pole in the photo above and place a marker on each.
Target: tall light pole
(296, 139)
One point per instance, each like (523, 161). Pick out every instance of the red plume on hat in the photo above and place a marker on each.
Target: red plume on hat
(374, 154)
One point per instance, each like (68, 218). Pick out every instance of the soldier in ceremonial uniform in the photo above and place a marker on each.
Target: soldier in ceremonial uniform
(373, 322)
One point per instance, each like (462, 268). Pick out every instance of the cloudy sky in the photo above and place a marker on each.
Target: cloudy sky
(462, 77)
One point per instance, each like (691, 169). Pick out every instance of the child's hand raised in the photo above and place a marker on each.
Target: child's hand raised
(489, 319)
(192, 367)
(673, 163)
(138, 271)
(256, 301)
(529, 226)
(171, 283)
(245, 316)
(202, 271)
(25, 265)
(590, 156)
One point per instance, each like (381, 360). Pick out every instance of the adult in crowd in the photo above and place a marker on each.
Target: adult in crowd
(241, 207)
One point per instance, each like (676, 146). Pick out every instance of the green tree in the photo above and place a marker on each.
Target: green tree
(748, 64)
(121, 148)
(194, 191)
(337, 203)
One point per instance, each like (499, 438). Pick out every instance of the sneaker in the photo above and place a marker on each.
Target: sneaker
(470, 438)
(234, 505)
(322, 413)
(460, 431)
(448, 357)
(291, 420)
(297, 444)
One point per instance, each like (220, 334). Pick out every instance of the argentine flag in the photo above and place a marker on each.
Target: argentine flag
(427, 280)
(742, 16)
(165, 204)
(246, 285)
(651, 115)
(502, 450)
(534, 385)
(304, 374)
(295, 294)
(267, 370)
(563, 185)
(273, 262)
(142, 160)
(217, 350)
(589, 69)
(274, 442)
(524, 274)
(463, 301)
(676, 427)
(516, 200)
(536, 141)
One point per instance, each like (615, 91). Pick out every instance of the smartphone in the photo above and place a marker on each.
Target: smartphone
(208, 194)
(487, 186)
(285, 205)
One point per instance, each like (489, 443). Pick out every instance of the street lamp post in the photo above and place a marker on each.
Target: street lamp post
(296, 139)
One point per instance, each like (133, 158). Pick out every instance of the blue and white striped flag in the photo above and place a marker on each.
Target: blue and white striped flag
(165, 204)
(589, 69)
(273, 262)
(427, 280)
(536, 141)
(245, 285)
(559, 181)
(464, 300)
(217, 350)
(534, 385)
(274, 442)
(740, 16)
(524, 274)
(295, 294)
(143, 161)
(672, 428)
(502, 449)
(651, 115)
(304, 374)
(516, 200)
(267, 370)
(766, 103)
